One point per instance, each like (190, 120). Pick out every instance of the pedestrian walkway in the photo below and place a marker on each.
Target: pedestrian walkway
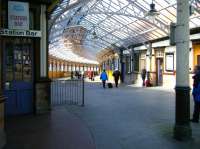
(57, 130)
(119, 118)
(132, 118)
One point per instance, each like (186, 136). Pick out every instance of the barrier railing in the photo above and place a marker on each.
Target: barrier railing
(67, 92)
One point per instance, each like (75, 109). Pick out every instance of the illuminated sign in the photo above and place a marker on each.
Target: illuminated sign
(18, 15)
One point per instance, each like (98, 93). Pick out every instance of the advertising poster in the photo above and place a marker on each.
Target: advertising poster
(169, 62)
(18, 15)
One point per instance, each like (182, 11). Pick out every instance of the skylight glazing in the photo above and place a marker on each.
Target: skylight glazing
(119, 22)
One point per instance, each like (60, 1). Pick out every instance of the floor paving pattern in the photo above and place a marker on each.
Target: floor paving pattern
(132, 118)
(127, 117)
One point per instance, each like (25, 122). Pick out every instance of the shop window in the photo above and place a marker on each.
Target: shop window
(18, 65)
(128, 64)
(116, 63)
(159, 53)
(136, 61)
(198, 60)
(9, 63)
(113, 64)
(142, 64)
(27, 64)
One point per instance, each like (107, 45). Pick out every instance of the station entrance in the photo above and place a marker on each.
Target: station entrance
(18, 75)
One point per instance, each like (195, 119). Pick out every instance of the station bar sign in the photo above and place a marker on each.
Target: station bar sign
(20, 33)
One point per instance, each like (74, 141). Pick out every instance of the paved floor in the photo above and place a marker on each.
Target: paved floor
(124, 118)
(58, 130)
(132, 118)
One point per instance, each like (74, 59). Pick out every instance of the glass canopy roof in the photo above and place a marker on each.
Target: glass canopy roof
(115, 22)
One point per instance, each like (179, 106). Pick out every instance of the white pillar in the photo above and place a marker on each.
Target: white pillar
(148, 57)
(182, 130)
(182, 43)
(43, 43)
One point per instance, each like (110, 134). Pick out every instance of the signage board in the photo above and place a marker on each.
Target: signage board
(126, 52)
(18, 15)
(21, 33)
(169, 62)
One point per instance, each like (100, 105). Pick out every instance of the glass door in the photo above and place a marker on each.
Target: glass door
(18, 70)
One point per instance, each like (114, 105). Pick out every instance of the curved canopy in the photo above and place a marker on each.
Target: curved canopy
(116, 22)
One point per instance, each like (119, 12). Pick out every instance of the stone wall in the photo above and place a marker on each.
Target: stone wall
(43, 97)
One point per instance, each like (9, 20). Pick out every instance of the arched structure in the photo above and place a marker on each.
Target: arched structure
(124, 26)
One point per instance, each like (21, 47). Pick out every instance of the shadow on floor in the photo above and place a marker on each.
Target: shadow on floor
(56, 130)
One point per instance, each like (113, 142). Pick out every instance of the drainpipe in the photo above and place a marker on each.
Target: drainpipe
(182, 129)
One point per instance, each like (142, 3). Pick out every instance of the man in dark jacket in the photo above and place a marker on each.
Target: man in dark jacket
(116, 74)
(143, 75)
(196, 94)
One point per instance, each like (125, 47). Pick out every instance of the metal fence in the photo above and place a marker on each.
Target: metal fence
(67, 92)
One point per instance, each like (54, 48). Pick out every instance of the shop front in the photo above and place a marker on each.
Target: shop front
(24, 54)
(23, 59)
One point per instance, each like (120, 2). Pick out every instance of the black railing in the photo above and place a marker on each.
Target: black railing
(67, 92)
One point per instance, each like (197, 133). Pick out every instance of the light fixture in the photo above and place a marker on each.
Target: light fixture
(152, 13)
(94, 34)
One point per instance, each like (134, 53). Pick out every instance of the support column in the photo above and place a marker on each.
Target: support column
(43, 43)
(182, 129)
(148, 57)
(42, 87)
(148, 61)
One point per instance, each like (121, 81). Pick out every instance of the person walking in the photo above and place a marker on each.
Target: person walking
(143, 75)
(196, 94)
(104, 77)
(116, 74)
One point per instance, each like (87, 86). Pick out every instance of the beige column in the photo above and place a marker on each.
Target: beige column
(182, 130)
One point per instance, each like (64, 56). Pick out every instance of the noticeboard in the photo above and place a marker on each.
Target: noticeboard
(18, 15)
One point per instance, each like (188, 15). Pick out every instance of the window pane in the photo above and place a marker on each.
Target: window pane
(9, 63)
(136, 61)
(18, 62)
(27, 63)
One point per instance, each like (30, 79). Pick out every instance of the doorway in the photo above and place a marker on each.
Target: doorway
(159, 71)
(18, 76)
(198, 60)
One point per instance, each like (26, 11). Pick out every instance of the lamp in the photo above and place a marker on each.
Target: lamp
(152, 13)
(94, 35)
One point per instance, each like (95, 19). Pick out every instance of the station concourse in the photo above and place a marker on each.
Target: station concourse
(52, 53)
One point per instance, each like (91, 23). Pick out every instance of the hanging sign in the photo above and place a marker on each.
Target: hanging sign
(18, 15)
(21, 33)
